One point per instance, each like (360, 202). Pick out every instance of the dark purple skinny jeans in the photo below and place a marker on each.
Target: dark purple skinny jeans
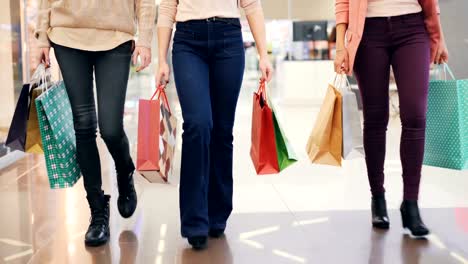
(403, 43)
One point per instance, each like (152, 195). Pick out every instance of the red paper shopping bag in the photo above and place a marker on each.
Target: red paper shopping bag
(263, 148)
(148, 134)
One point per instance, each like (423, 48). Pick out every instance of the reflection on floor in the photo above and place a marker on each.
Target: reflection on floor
(308, 214)
(4, 150)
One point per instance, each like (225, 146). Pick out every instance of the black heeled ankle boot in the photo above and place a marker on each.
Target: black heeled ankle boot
(216, 232)
(379, 213)
(411, 219)
(98, 230)
(198, 242)
(127, 201)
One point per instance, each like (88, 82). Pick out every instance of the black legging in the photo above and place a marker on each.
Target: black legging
(111, 70)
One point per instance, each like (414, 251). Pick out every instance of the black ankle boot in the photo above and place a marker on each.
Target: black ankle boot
(412, 219)
(379, 213)
(127, 201)
(198, 242)
(98, 230)
(216, 232)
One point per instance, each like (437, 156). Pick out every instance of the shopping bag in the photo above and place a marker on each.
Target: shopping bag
(446, 142)
(286, 154)
(33, 134)
(58, 136)
(157, 133)
(148, 134)
(325, 142)
(16, 138)
(167, 138)
(353, 143)
(263, 151)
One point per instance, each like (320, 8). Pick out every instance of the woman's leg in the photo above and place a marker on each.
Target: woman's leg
(226, 74)
(372, 70)
(77, 70)
(112, 69)
(191, 73)
(410, 64)
(411, 61)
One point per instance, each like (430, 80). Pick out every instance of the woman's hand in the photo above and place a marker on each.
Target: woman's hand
(342, 61)
(266, 68)
(162, 76)
(145, 57)
(442, 55)
(44, 56)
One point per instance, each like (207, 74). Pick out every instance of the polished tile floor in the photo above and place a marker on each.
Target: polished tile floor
(307, 214)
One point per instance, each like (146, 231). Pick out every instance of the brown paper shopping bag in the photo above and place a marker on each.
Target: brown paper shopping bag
(33, 134)
(325, 142)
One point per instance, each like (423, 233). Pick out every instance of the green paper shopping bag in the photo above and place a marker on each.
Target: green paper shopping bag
(284, 150)
(447, 123)
(58, 137)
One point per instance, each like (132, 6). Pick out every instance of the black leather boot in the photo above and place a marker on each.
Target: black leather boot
(127, 201)
(216, 232)
(198, 242)
(411, 219)
(379, 213)
(98, 230)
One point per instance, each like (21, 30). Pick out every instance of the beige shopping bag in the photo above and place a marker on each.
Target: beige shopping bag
(325, 142)
(33, 134)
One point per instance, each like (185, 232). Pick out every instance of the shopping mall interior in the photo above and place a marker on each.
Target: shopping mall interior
(308, 213)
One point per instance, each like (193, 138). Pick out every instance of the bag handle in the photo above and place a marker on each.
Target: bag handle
(37, 75)
(338, 81)
(161, 92)
(262, 91)
(41, 75)
(46, 80)
(445, 68)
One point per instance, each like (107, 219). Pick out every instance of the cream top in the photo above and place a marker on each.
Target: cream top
(171, 11)
(388, 8)
(95, 25)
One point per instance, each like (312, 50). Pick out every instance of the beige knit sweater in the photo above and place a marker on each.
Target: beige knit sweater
(94, 23)
(171, 11)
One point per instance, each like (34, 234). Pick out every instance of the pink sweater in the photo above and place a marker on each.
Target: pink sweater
(171, 11)
(354, 12)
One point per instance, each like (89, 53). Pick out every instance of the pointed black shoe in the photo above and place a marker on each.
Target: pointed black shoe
(379, 213)
(216, 232)
(411, 219)
(98, 230)
(198, 242)
(127, 201)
